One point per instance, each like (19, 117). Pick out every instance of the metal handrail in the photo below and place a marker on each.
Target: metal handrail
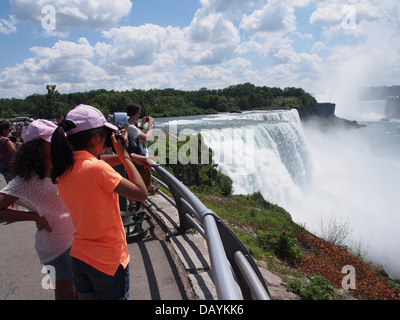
(231, 264)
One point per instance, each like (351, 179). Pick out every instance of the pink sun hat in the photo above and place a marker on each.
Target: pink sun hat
(40, 128)
(87, 117)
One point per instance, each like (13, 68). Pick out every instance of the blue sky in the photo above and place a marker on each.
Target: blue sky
(329, 47)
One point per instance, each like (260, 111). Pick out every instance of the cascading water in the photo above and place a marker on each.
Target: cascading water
(262, 151)
(270, 156)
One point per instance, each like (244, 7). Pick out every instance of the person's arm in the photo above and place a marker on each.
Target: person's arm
(134, 188)
(114, 160)
(10, 215)
(148, 136)
(11, 147)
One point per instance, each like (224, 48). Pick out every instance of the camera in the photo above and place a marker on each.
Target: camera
(117, 134)
(120, 119)
(108, 142)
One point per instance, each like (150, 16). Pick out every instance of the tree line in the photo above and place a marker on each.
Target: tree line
(160, 102)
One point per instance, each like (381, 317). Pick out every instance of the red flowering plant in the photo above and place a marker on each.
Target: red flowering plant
(328, 260)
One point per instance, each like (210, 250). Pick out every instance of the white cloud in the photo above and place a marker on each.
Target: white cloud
(87, 14)
(210, 39)
(65, 50)
(229, 6)
(329, 14)
(132, 46)
(141, 57)
(8, 26)
(318, 47)
(206, 53)
(213, 29)
(216, 49)
(275, 16)
(150, 56)
(64, 63)
(332, 13)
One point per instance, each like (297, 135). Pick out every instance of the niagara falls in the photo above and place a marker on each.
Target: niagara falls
(345, 176)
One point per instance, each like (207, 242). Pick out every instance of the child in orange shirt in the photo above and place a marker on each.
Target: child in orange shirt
(89, 187)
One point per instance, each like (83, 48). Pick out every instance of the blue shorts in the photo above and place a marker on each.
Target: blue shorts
(62, 265)
(91, 283)
(7, 172)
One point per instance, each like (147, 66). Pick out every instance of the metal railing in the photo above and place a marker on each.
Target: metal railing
(232, 266)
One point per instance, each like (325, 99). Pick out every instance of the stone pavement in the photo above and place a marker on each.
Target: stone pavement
(191, 249)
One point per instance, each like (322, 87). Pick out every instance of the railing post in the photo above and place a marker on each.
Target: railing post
(184, 225)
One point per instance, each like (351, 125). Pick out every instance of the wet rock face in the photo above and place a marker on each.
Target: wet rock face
(320, 110)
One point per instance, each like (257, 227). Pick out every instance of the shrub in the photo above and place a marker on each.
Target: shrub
(226, 185)
(283, 244)
(287, 247)
(318, 288)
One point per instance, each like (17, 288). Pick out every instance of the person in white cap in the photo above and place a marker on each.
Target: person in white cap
(90, 187)
(33, 189)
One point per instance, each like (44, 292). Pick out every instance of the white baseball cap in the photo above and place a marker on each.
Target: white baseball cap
(40, 128)
(87, 117)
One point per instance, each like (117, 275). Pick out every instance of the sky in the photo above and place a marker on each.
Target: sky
(329, 48)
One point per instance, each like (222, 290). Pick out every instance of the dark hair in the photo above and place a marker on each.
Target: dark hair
(4, 124)
(30, 159)
(62, 148)
(132, 109)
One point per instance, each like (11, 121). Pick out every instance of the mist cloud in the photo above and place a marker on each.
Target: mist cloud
(355, 181)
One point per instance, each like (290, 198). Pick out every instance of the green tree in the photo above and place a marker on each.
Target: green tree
(47, 104)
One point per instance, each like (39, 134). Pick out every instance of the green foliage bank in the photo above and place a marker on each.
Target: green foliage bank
(160, 102)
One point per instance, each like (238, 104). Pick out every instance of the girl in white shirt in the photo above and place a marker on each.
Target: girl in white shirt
(33, 189)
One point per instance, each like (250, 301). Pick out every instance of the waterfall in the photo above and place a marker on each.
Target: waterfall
(278, 115)
(349, 175)
(270, 156)
(370, 110)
